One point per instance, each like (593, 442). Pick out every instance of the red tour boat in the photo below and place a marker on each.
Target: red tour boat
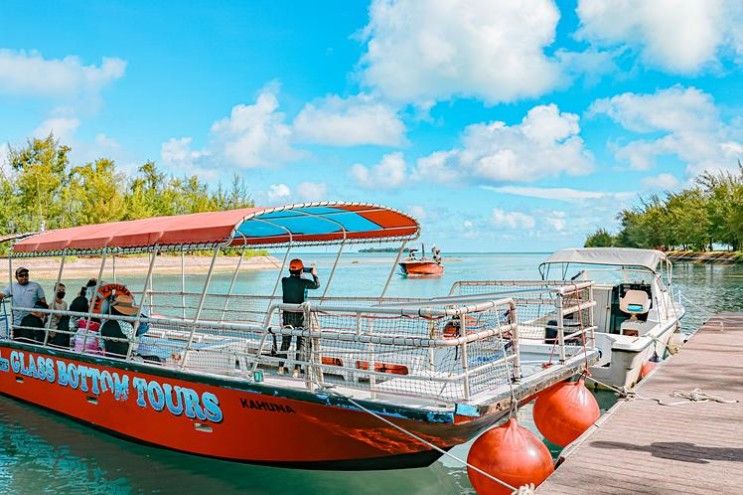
(423, 267)
(384, 382)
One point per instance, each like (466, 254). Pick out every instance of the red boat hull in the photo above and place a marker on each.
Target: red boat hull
(223, 418)
(421, 268)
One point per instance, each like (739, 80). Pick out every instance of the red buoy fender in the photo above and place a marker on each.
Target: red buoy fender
(647, 368)
(565, 412)
(510, 453)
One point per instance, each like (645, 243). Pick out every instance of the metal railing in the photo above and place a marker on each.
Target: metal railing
(441, 350)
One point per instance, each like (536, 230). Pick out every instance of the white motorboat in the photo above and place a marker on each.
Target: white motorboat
(635, 314)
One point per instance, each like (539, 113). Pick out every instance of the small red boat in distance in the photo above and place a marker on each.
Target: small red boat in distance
(423, 267)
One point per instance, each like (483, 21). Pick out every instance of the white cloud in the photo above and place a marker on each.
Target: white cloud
(278, 192)
(423, 51)
(353, 121)
(559, 193)
(63, 128)
(418, 212)
(665, 182)
(557, 220)
(439, 167)
(312, 191)
(30, 74)
(673, 109)
(511, 219)
(680, 36)
(689, 125)
(178, 156)
(106, 142)
(255, 135)
(545, 144)
(388, 173)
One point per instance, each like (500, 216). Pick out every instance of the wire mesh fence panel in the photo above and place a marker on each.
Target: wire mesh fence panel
(439, 350)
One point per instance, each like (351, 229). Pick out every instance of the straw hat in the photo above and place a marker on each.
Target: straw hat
(125, 305)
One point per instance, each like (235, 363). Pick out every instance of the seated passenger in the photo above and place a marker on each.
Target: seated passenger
(30, 322)
(80, 304)
(123, 305)
(87, 338)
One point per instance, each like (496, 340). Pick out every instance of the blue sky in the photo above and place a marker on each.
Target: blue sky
(502, 126)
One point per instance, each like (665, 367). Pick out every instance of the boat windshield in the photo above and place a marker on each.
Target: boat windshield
(600, 274)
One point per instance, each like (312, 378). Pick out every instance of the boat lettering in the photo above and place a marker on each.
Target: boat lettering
(89, 379)
(262, 405)
(40, 368)
(177, 400)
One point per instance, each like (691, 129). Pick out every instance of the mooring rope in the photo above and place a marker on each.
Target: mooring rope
(695, 395)
(514, 490)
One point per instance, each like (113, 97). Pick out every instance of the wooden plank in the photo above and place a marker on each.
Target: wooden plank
(644, 447)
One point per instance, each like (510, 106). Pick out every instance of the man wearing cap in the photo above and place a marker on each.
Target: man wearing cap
(25, 294)
(294, 291)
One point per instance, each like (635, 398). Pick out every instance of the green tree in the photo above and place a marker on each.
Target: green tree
(724, 191)
(95, 193)
(600, 238)
(39, 177)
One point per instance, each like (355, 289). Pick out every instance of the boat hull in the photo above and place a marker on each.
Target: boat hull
(421, 268)
(624, 370)
(223, 418)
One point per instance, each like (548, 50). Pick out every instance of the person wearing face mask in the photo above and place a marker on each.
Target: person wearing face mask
(59, 322)
(58, 304)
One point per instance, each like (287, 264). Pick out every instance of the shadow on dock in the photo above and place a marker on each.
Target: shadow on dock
(678, 451)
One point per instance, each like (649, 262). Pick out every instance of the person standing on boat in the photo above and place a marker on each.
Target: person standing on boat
(294, 291)
(25, 294)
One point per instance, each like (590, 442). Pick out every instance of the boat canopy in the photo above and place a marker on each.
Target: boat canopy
(300, 224)
(645, 258)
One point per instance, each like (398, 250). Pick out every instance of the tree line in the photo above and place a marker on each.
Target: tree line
(40, 189)
(709, 213)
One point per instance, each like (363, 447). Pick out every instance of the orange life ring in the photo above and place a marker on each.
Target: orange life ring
(107, 290)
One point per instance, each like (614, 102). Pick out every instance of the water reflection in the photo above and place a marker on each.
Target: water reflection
(42, 452)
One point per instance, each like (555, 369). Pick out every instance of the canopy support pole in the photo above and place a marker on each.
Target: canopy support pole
(92, 298)
(332, 270)
(10, 284)
(113, 266)
(281, 272)
(201, 306)
(392, 270)
(183, 282)
(56, 285)
(232, 283)
(147, 281)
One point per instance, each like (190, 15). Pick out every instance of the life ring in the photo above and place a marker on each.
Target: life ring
(105, 292)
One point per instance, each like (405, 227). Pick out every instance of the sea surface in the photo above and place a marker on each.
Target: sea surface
(41, 452)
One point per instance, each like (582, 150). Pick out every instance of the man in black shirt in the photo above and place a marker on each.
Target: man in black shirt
(33, 325)
(294, 291)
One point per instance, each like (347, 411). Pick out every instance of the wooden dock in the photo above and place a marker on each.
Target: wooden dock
(640, 446)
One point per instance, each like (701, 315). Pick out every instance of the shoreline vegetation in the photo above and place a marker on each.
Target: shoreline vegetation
(88, 266)
(40, 189)
(706, 256)
(703, 222)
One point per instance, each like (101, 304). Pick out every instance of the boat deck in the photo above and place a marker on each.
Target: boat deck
(640, 446)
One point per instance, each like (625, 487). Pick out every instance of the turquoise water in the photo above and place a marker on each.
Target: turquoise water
(41, 452)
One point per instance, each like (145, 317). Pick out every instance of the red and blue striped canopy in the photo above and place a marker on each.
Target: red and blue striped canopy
(309, 223)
